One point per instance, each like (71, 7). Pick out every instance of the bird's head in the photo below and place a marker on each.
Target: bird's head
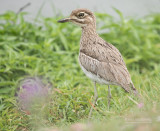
(81, 17)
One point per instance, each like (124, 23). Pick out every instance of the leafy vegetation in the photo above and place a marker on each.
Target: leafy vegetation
(50, 50)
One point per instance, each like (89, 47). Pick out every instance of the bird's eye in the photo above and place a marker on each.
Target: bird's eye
(81, 15)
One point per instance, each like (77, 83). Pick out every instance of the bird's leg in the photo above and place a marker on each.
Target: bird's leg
(109, 96)
(95, 99)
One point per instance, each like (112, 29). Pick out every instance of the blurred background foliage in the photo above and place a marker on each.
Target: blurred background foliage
(50, 50)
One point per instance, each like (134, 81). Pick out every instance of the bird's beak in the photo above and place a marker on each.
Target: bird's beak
(64, 20)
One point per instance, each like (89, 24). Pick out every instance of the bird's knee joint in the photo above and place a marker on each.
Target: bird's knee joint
(110, 96)
(96, 96)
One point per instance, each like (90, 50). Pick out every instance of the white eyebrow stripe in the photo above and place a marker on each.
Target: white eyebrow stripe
(82, 12)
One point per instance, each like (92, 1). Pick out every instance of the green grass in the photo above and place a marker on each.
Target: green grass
(50, 50)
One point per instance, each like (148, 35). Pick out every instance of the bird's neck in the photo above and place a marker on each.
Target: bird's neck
(89, 32)
(88, 37)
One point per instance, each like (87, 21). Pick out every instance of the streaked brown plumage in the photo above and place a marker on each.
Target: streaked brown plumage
(100, 61)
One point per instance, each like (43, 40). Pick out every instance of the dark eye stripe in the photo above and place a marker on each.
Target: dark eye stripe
(81, 22)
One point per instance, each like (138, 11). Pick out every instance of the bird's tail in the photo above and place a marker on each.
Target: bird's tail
(134, 90)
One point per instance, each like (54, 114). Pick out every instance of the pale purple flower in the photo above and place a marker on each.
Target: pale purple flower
(140, 105)
(32, 91)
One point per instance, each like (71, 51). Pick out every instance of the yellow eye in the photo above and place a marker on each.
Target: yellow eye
(81, 15)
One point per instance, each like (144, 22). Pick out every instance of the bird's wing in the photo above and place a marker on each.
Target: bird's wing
(106, 62)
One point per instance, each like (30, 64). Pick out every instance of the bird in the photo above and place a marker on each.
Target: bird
(100, 61)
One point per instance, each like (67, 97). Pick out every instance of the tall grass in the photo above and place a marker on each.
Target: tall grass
(50, 50)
